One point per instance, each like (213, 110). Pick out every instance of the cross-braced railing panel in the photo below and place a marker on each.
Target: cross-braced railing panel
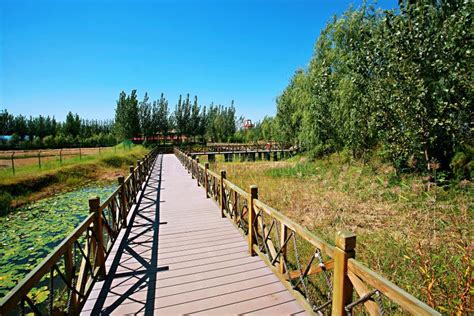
(376, 295)
(214, 186)
(113, 218)
(307, 267)
(201, 174)
(236, 205)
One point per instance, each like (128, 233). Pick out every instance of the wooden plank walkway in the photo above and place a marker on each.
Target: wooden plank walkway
(178, 256)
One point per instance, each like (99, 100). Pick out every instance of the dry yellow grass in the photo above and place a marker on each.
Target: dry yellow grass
(416, 234)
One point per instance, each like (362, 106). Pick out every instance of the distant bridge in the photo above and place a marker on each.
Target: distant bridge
(243, 152)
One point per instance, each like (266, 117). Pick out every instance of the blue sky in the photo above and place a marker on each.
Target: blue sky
(59, 56)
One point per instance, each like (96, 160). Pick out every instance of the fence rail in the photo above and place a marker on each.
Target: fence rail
(16, 159)
(61, 283)
(323, 278)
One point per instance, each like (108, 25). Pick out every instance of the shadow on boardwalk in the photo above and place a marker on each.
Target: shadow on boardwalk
(140, 242)
(179, 256)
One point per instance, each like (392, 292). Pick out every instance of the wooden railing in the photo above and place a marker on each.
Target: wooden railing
(61, 283)
(324, 278)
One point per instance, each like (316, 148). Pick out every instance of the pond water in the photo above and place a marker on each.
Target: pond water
(31, 232)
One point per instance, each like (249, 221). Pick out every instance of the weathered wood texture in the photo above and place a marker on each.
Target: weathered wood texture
(179, 256)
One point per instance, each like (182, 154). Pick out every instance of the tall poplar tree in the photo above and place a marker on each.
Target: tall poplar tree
(127, 119)
(146, 122)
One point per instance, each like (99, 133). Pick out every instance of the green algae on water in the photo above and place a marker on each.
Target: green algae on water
(29, 234)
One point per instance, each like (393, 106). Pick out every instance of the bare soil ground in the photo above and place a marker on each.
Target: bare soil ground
(30, 157)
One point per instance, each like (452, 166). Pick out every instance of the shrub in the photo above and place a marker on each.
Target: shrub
(49, 142)
(118, 161)
(462, 163)
(5, 203)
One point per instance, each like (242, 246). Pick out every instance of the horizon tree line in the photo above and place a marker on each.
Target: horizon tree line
(189, 119)
(47, 132)
(133, 119)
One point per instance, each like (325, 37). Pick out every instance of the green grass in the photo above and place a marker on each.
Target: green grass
(299, 170)
(50, 164)
(31, 183)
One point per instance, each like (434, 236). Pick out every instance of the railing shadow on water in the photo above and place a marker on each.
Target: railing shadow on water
(61, 283)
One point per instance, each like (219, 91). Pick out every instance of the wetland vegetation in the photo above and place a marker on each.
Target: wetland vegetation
(415, 233)
(41, 207)
(31, 232)
(30, 184)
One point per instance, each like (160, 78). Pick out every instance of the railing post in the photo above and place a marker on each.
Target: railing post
(189, 167)
(132, 180)
(206, 179)
(139, 175)
(197, 170)
(94, 207)
(253, 195)
(222, 197)
(13, 162)
(123, 200)
(69, 267)
(283, 256)
(145, 167)
(342, 286)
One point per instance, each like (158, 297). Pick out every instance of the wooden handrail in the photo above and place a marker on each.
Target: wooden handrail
(343, 263)
(396, 294)
(213, 174)
(300, 230)
(110, 198)
(94, 228)
(235, 188)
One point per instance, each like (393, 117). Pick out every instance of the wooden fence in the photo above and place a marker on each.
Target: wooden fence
(61, 283)
(323, 278)
(15, 159)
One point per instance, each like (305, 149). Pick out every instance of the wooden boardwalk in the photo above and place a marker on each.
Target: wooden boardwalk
(178, 256)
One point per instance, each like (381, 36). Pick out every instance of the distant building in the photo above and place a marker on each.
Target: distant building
(248, 124)
(171, 136)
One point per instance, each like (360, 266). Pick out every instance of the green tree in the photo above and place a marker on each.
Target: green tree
(291, 105)
(195, 119)
(146, 120)
(179, 119)
(127, 119)
(161, 119)
(425, 82)
(72, 126)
